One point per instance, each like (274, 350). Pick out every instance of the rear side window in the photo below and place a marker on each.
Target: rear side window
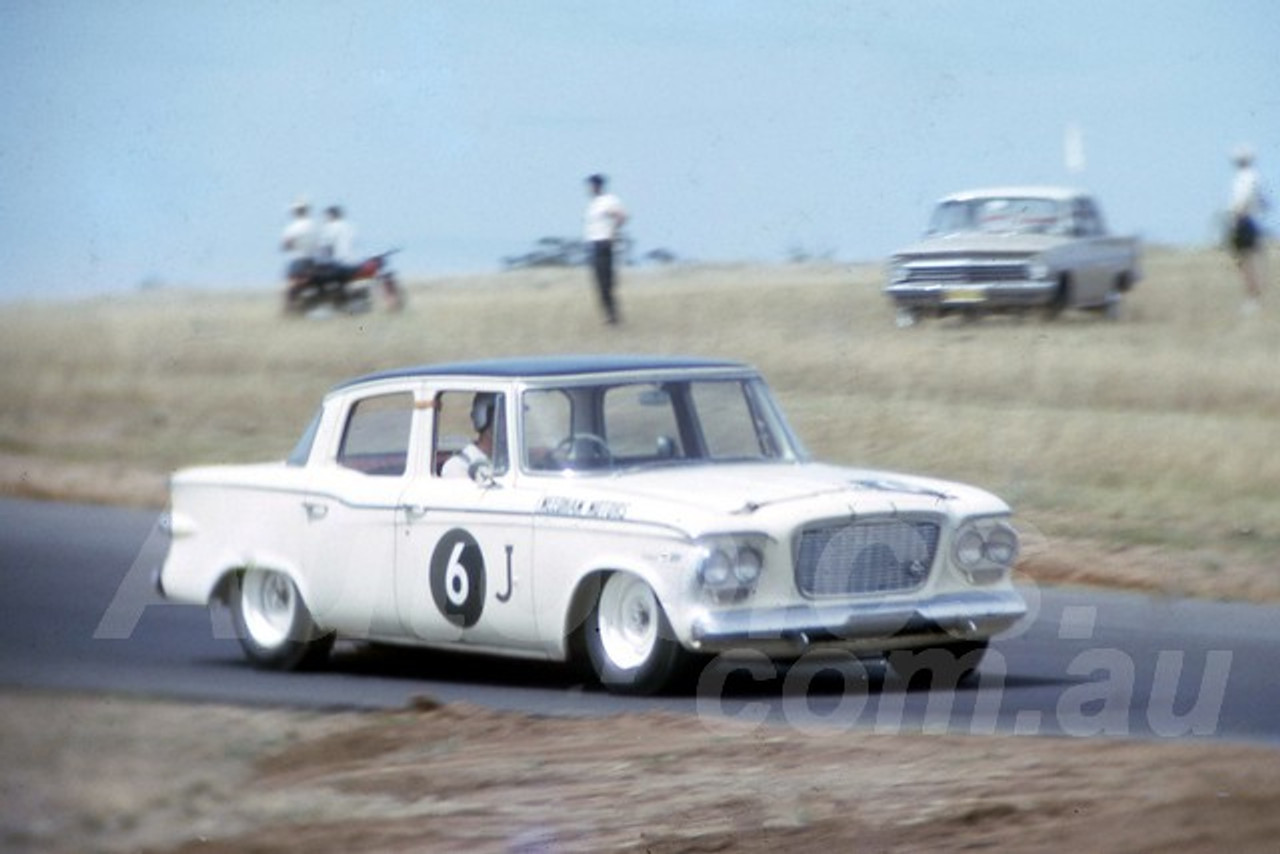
(376, 438)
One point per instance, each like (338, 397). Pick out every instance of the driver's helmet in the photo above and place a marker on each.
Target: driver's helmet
(482, 407)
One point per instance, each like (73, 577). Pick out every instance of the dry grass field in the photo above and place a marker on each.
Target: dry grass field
(1141, 453)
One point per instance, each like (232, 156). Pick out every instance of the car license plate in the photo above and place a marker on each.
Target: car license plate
(965, 295)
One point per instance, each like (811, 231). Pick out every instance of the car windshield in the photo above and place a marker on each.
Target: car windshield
(999, 215)
(603, 428)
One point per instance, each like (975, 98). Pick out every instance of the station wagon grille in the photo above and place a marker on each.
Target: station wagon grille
(881, 556)
(968, 273)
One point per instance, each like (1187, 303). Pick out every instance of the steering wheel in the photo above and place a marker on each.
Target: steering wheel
(587, 448)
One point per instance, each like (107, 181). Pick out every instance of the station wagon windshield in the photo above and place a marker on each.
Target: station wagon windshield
(998, 215)
(629, 425)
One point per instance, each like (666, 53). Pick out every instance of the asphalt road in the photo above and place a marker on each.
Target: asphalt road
(77, 613)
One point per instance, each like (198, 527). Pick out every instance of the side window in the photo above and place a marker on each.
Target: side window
(1095, 217)
(1086, 219)
(728, 423)
(465, 417)
(548, 420)
(641, 422)
(376, 439)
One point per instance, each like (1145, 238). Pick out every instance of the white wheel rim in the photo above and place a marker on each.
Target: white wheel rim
(269, 603)
(628, 621)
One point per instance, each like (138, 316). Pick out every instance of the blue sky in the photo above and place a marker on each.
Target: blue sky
(164, 140)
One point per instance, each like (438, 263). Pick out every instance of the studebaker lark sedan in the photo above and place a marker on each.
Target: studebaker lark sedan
(637, 514)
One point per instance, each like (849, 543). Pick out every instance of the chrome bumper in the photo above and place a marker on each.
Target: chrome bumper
(1018, 294)
(958, 615)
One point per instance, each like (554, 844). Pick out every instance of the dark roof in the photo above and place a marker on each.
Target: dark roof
(550, 366)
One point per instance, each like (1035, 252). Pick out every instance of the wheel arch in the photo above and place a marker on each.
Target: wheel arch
(1062, 297)
(233, 570)
(586, 590)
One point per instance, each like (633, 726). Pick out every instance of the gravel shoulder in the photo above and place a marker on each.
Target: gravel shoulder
(108, 774)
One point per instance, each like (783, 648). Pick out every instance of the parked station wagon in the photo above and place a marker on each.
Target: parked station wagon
(1013, 250)
(637, 514)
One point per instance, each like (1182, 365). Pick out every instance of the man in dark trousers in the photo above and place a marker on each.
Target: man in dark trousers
(604, 219)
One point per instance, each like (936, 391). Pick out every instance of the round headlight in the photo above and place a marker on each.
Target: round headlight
(717, 569)
(970, 548)
(1002, 545)
(748, 566)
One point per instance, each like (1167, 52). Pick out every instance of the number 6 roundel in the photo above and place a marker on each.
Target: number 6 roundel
(457, 578)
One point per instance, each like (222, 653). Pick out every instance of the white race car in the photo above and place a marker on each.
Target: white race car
(642, 514)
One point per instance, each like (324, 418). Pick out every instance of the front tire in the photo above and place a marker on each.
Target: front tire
(629, 639)
(1060, 301)
(273, 624)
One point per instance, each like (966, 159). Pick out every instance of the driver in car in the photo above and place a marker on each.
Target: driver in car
(477, 454)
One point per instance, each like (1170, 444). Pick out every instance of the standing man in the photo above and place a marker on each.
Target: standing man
(1247, 207)
(604, 219)
(298, 242)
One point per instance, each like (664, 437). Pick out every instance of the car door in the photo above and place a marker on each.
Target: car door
(1089, 251)
(352, 510)
(464, 560)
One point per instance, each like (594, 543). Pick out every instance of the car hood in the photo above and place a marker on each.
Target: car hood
(703, 498)
(974, 243)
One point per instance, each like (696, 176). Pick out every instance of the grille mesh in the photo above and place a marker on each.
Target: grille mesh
(865, 557)
(968, 273)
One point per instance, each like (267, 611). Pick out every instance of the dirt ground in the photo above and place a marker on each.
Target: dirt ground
(109, 774)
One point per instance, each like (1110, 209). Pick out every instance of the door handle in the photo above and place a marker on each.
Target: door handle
(315, 510)
(414, 511)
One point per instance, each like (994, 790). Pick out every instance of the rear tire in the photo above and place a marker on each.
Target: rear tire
(629, 640)
(273, 624)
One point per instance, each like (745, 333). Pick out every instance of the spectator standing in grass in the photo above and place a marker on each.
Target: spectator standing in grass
(1247, 206)
(602, 223)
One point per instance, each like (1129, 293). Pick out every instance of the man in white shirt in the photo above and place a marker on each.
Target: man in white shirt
(477, 455)
(337, 238)
(298, 242)
(602, 222)
(1247, 206)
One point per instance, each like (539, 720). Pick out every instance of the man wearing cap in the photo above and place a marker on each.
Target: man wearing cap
(1247, 207)
(299, 244)
(604, 219)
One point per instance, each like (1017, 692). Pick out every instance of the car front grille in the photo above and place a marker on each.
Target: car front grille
(967, 274)
(880, 556)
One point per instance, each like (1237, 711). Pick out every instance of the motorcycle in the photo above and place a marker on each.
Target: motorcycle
(346, 288)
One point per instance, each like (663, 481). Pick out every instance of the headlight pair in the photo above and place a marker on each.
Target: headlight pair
(730, 567)
(985, 549)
